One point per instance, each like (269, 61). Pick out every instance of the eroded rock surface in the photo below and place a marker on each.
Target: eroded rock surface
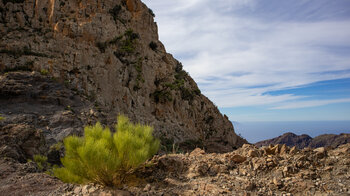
(107, 51)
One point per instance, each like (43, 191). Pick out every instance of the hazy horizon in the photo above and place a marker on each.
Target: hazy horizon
(255, 131)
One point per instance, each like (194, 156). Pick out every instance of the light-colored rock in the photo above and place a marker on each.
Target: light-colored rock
(236, 158)
(253, 153)
(293, 150)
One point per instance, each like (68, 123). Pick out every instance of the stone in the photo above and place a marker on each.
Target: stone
(147, 188)
(320, 152)
(293, 150)
(171, 164)
(197, 152)
(253, 153)
(236, 158)
(284, 149)
(77, 190)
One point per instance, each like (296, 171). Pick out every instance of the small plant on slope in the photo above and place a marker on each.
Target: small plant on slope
(41, 162)
(105, 158)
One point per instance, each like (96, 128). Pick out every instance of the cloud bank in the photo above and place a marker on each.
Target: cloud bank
(241, 51)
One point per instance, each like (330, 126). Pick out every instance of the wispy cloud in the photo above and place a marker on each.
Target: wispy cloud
(312, 103)
(240, 51)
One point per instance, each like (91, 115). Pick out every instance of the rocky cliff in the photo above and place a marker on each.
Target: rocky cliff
(65, 64)
(303, 141)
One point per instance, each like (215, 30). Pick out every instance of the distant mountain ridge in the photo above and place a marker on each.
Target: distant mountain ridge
(303, 141)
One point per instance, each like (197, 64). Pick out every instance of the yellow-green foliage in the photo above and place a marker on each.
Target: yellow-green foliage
(44, 72)
(106, 158)
(41, 161)
(1, 118)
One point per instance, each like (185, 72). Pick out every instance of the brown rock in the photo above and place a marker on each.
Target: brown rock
(293, 150)
(197, 152)
(253, 153)
(170, 164)
(236, 158)
(284, 149)
(320, 152)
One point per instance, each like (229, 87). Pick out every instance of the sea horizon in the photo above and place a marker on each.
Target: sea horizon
(255, 131)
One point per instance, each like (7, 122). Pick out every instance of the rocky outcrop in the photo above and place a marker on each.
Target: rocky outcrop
(290, 139)
(332, 140)
(106, 53)
(303, 141)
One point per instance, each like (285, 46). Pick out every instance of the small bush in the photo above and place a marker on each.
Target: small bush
(162, 96)
(153, 45)
(44, 72)
(115, 11)
(105, 158)
(41, 161)
(2, 118)
(151, 12)
(56, 146)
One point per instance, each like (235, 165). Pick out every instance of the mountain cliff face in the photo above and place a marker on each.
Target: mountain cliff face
(303, 141)
(98, 59)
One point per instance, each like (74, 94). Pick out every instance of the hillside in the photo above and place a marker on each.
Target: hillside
(67, 64)
(303, 141)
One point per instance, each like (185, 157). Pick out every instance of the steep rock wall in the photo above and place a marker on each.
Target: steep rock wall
(108, 52)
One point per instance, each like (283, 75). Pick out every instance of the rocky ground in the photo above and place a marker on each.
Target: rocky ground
(273, 170)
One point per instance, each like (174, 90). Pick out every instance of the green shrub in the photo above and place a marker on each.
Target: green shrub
(41, 161)
(2, 118)
(105, 158)
(44, 72)
(162, 96)
(56, 146)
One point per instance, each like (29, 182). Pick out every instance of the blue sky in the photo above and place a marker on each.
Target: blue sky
(263, 60)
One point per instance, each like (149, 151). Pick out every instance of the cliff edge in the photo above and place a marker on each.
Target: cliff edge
(105, 55)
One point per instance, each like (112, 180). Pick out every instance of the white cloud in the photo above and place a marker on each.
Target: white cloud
(311, 103)
(237, 59)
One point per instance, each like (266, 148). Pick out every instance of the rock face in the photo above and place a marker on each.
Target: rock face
(333, 140)
(101, 55)
(290, 139)
(303, 141)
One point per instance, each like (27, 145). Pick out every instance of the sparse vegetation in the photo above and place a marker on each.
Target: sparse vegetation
(115, 11)
(153, 45)
(56, 146)
(139, 77)
(1, 117)
(162, 96)
(151, 12)
(106, 158)
(41, 162)
(128, 44)
(125, 43)
(44, 72)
